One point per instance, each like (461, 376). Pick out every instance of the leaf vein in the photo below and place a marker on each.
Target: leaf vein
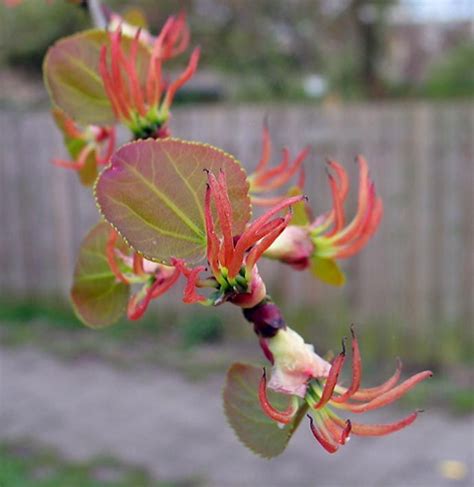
(180, 214)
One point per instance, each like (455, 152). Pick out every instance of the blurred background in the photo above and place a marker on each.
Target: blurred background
(393, 80)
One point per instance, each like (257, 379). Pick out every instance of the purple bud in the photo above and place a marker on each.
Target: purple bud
(267, 319)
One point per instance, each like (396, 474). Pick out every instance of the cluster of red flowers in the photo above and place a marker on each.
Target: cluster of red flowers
(91, 141)
(154, 279)
(144, 107)
(310, 242)
(232, 258)
(323, 395)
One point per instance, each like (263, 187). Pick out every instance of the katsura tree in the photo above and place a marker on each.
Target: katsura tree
(172, 209)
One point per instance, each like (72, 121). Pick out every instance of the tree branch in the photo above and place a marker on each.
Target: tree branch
(97, 14)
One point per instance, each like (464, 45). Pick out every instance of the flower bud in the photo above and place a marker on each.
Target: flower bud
(293, 247)
(255, 294)
(295, 363)
(266, 318)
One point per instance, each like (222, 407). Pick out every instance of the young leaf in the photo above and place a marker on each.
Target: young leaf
(153, 194)
(72, 78)
(328, 271)
(136, 16)
(300, 212)
(242, 407)
(88, 173)
(98, 299)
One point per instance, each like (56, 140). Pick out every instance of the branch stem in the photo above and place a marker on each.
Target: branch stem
(97, 14)
(266, 318)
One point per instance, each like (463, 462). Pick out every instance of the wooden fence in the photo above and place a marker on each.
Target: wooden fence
(420, 265)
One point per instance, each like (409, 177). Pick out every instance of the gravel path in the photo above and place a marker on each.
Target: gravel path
(177, 429)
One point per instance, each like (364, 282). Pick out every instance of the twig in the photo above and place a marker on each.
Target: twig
(97, 14)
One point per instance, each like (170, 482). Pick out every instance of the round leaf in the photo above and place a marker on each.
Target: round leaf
(242, 407)
(98, 299)
(153, 194)
(71, 75)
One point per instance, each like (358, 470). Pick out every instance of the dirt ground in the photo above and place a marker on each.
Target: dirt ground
(176, 429)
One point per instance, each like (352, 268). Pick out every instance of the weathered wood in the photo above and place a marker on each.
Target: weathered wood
(418, 268)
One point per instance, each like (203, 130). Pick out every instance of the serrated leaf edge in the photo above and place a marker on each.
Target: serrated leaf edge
(256, 452)
(174, 139)
(79, 316)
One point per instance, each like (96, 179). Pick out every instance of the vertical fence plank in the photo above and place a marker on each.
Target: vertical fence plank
(12, 260)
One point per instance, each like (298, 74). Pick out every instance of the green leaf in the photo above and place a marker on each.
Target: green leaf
(242, 407)
(153, 194)
(98, 299)
(300, 213)
(328, 271)
(88, 173)
(72, 78)
(136, 17)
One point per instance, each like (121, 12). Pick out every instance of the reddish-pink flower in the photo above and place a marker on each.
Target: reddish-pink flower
(90, 144)
(332, 237)
(232, 258)
(152, 279)
(267, 179)
(319, 243)
(175, 40)
(144, 107)
(299, 372)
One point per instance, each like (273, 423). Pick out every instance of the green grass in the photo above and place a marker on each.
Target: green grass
(53, 325)
(59, 313)
(182, 341)
(24, 317)
(201, 327)
(24, 466)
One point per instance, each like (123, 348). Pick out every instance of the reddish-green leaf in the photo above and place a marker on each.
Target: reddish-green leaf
(153, 194)
(328, 271)
(242, 407)
(71, 74)
(98, 299)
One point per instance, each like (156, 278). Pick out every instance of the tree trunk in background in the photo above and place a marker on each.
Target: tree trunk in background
(369, 21)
